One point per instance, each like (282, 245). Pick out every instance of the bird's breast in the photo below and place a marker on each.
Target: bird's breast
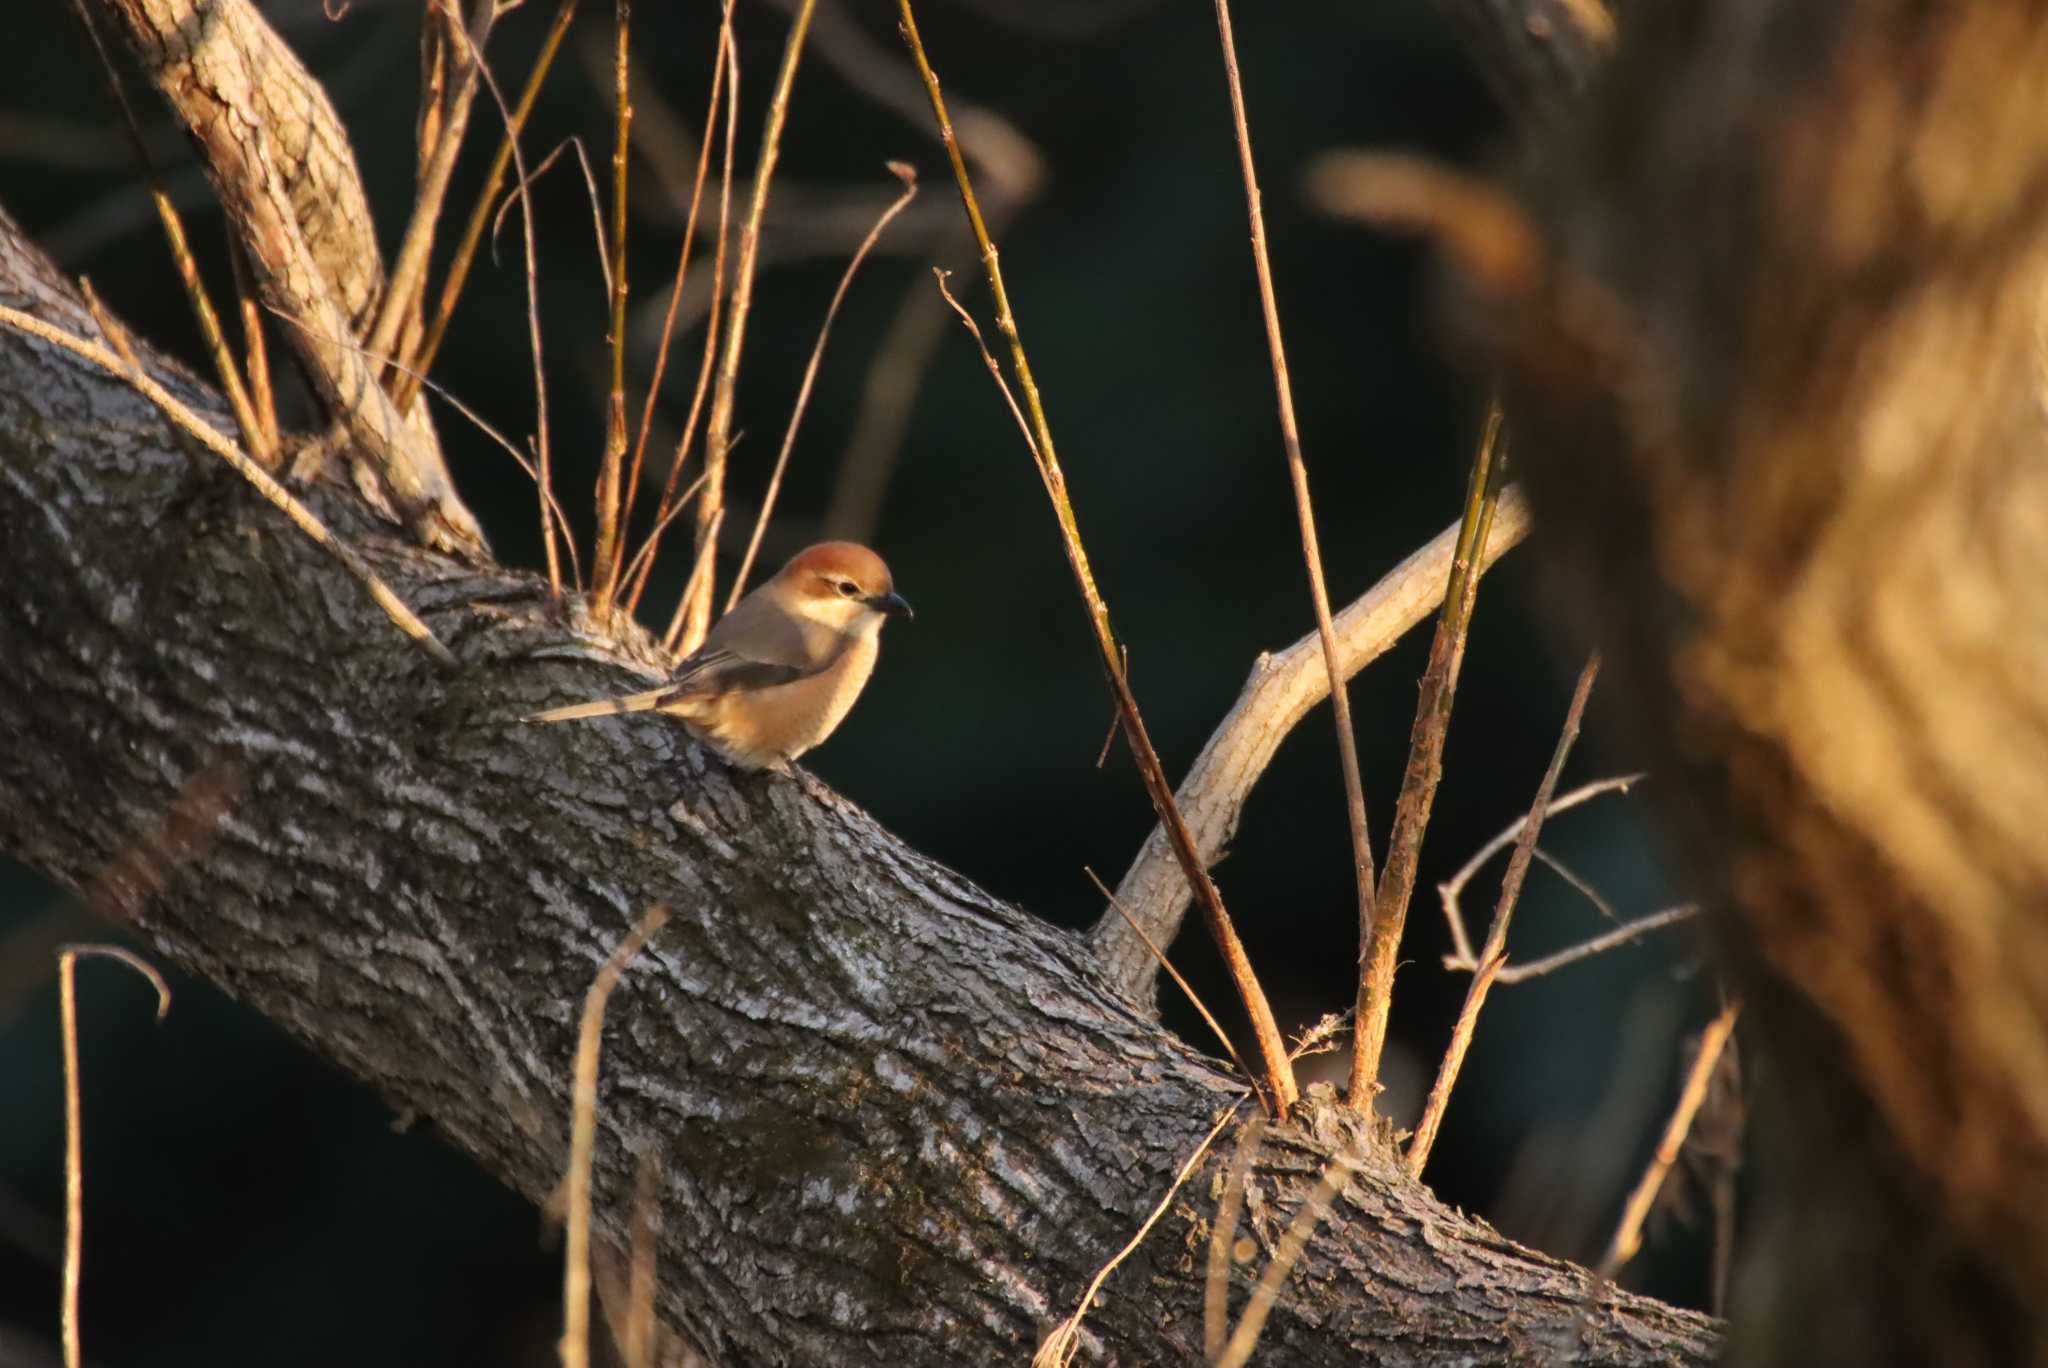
(759, 727)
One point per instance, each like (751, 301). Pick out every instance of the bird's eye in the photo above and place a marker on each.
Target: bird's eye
(847, 588)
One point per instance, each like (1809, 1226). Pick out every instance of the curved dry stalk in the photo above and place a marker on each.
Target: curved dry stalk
(1276, 1076)
(1283, 687)
(575, 1345)
(908, 175)
(718, 428)
(1494, 954)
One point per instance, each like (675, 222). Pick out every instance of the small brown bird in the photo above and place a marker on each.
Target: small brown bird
(778, 673)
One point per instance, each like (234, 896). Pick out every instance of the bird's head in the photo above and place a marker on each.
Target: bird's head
(843, 585)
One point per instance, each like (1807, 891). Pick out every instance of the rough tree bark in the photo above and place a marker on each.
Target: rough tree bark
(898, 1121)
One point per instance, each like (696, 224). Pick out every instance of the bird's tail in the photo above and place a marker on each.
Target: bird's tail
(605, 707)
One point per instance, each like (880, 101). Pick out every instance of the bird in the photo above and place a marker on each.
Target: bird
(777, 674)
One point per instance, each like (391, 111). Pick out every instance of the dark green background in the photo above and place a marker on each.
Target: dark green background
(247, 1205)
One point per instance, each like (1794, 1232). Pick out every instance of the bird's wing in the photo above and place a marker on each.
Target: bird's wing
(755, 646)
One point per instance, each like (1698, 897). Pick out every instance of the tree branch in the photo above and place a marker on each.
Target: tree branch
(900, 1121)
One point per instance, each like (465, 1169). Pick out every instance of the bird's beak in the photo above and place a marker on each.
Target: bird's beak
(895, 605)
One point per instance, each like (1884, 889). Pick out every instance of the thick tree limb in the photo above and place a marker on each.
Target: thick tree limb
(1282, 688)
(282, 167)
(902, 1122)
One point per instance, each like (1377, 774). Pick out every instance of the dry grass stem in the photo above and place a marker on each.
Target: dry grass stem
(1628, 1235)
(260, 440)
(1187, 988)
(1380, 941)
(1260, 1305)
(679, 622)
(1304, 507)
(1276, 1076)
(422, 359)
(675, 299)
(718, 427)
(1222, 1235)
(1493, 955)
(543, 463)
(1523, 971)
(1452, 890)
(638, 1347)
(610, 550)
(255, 350)
(1282, 688)
(109, 326)
(409, 268)
(74, 1164)
(268, 487)
(908, 176)
(1064, 1342)
(575, 1347)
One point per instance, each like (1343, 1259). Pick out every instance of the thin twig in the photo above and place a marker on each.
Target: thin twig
(269, 488)
(679, 622)
(261, 441)
(422, 360)
(1276, 1077)
(675, 299)
(1304, 507)
(543, 463)
(718, 428)
(1064, 1342)
(1336, 1174)
(1449, 892)
(1222, 1235)
(409, 267)
(255, 350)
(1164, 963)
(1523, 971)
(609, 553)
(908, 175)
(1380, 946)
(1628, 1235)
(74, 1163)
(1494, 953)
(575, 1346)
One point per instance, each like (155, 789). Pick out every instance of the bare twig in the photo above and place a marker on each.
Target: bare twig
(610, 550)
(1453, 888)
(575, 1346)
(1064, 1342)
(1222, 1235)
(409, 269)
(1494, 953)
(74, 1164)
(465, 252)
(1304, 507)
(668, 322)
(1523, 971)
(260, 440)
(1283, 687)
(718, 428)
(1380, 946)
(269, 488)
(1187, 988)
(908, 175)
(1628, 1235)
(1276, 1077)
(543, 463)
(256, 351)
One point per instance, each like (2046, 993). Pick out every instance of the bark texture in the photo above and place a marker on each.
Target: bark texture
(898, 1121)
(1779, 400)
